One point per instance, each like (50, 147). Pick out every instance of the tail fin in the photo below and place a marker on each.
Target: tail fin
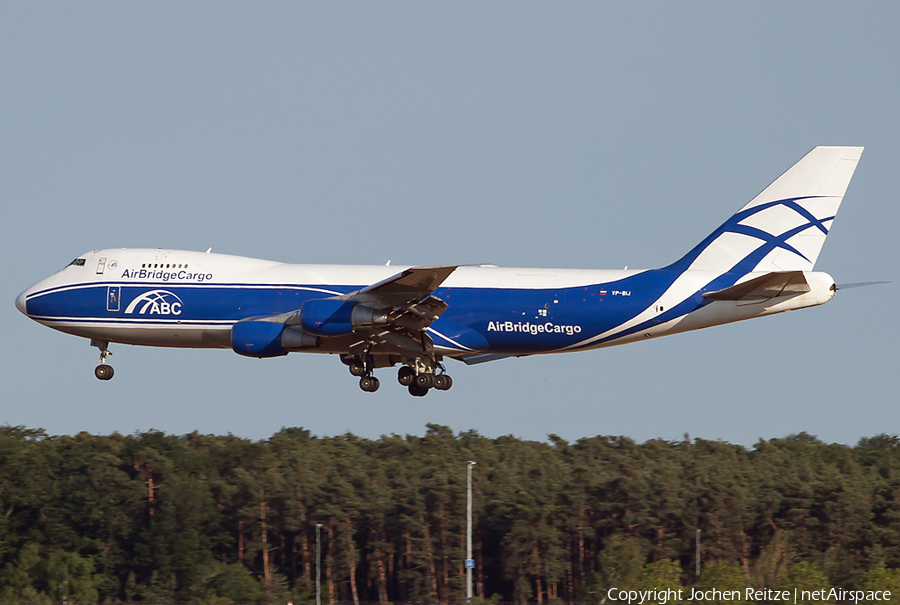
(783, 228)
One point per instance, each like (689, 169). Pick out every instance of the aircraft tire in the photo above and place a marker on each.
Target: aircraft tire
(442, 382)
(104, 372)
(425, 381)
(369, 384)
(417, 391)
(357, 368)
(406, 376)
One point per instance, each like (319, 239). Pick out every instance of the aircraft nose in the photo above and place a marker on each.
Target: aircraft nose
(20, 303)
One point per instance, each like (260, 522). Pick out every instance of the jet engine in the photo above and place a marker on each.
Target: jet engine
(332, 317)
(262, 338)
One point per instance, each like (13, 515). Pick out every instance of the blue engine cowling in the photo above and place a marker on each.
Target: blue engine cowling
(332, 317)
(261, 338)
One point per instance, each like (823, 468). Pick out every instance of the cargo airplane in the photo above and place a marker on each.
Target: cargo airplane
(759, 262)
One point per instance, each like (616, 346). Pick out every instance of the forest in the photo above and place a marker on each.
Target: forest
(159, 518)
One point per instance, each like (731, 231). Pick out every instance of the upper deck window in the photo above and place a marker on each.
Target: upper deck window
(78, 262)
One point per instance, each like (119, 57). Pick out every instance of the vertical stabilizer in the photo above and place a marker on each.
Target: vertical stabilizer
(783, 228)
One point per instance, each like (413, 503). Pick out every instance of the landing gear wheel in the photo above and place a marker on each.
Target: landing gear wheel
(442, 382)
(417, 391)
(425, 381)
(104, 372)
(369, 384)
(356, 367)
(406, 376)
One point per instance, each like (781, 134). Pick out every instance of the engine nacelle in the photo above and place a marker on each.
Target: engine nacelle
(260, 338)
(331, 317)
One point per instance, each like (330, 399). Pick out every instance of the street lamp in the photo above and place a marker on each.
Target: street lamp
(470, 562)
(318, 564)
(698, 555)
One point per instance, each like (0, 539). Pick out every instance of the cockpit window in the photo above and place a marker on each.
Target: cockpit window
(78, 262)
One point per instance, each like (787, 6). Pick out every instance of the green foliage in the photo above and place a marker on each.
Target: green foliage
(622, 562)
(724, 576)
(660, 575)
(47, 576)
(880, 579)
(69, 578)
(159, 589)
(276, 589)
(17, 582)
(806, 579)
(222, 584)
(152, 517)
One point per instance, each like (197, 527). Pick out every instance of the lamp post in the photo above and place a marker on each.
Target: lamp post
(318, 565)
(470, 562)
(698, 555)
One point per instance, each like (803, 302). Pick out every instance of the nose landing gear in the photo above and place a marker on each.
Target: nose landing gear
(103, 371)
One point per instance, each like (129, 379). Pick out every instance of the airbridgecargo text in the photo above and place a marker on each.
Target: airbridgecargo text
(165, 275)
(530, 328)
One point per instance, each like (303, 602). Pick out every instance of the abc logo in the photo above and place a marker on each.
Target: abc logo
(156, 302)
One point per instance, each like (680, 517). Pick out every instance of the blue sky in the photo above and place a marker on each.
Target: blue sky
(585, 135)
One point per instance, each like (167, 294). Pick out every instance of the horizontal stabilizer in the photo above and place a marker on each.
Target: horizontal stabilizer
(765, 287)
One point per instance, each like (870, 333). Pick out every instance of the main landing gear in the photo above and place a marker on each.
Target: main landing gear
(420, 383)
(362, 367)
(103, 371)
(419, 377)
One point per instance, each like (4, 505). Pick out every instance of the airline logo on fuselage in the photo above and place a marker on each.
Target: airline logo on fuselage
(533, 329)
(163, 275)
(156, 302)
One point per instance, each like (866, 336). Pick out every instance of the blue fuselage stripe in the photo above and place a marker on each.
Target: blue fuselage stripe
(514, 320)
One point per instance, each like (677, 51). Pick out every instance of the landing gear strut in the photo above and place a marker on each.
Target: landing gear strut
(103, 371)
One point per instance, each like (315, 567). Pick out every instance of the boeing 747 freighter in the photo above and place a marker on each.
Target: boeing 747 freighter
(759, 262)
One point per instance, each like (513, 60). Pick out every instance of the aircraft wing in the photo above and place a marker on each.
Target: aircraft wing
(408, 300)
(408, 295)
(400, 309)
(763, 288)
(403, 289)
